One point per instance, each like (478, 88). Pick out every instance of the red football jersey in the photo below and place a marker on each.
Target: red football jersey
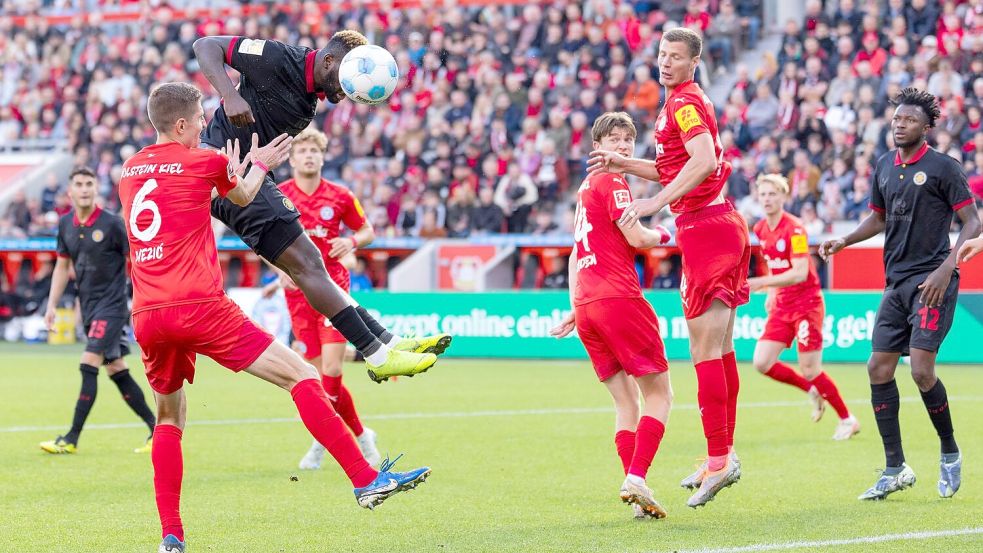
(166, 190)
(779, 246)
(321, 215)
(605, 259)
(688, 113)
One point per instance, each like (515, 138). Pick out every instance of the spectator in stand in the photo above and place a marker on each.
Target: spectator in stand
(516, 194)
(762, 113)
(857, 202)
(559, 276)
(666, 277)
(360, 281)
(724, 35)
(642, 98)
(487, 217)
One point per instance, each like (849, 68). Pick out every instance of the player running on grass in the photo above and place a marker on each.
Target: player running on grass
(324, 206)
(617, 325)
(180, 308)
(278, 93)
(94, 242)
(795, 306)
(713, 239)
(914, 192)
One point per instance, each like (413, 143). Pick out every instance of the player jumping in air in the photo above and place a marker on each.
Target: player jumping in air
(617, 325)
(795, 306)
(278, 93)
(180, 308)
(914, 192)
(713, 239)
(324, 206)
(94, 242)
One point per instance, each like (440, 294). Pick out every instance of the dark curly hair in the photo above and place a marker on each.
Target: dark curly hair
(914, 97)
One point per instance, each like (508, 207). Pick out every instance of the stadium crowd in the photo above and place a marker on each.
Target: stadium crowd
(490, 126)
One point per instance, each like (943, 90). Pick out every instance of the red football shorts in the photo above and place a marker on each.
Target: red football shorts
(716, 253)
(310, 328)
(621, 334)
(803, 325)
(170, 337)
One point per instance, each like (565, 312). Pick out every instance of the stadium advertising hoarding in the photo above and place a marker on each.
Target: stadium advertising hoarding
(517, 324)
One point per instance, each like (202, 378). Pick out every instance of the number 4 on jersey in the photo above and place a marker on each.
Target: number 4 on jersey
(581, 227)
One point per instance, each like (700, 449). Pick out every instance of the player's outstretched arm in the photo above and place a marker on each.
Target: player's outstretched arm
(799, 272)
(59, 281)
(264, 159)
(871, 226)
(970, 249)
(210, 51)
(603, 161)
(642, 238)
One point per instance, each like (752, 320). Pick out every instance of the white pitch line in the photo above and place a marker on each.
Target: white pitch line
(453, 414)
(784, 546)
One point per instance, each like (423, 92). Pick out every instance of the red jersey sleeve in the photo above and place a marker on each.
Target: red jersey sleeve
(757, 228)
(219, 172)
(616, 194)
(690, 114)
(354, 215)
(798, 241)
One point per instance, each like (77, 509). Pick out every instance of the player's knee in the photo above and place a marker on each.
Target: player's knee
(115, 367)
(331, 368)
(761, 364)
(924, 377)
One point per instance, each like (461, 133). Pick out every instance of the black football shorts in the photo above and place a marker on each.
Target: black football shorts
(903, 322)
(268, 224)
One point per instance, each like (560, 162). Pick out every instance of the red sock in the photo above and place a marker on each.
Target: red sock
(783, 373)
(346, 408)
(648, 436)
(341, 400)
(712, 397)
(827, 389)
(327, 428)
(733, 387)
(624, 441)
(165, 454)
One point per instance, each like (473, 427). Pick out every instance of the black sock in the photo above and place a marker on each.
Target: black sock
(350, 325)
(937, 404)
(886, 402)
(377, 329)
(133, 396)
(87, 397)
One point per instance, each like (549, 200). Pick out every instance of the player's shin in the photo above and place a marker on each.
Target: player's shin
(327, 428)
(733, 378)
(87, 397)
(168, 472)
(937, 404)
(886, 402)
(624, 442)
(712, 398)
(133, 396)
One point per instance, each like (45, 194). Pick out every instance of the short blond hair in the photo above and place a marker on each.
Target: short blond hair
(349, 38)
(610, 121)
(778, 181)
(311, 135)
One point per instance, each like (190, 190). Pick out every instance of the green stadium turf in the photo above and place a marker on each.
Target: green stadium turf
(522, 455)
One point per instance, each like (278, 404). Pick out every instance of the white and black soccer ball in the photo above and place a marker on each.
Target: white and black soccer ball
(368, 74)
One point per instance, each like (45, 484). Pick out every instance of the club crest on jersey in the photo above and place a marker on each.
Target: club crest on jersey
(920, 178)
(780, 245)
(687, 118)
(97, 235)
(327, 213)
(622, 198)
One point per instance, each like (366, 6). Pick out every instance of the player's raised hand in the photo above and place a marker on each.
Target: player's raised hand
(603, 161)
(970, 249)
(638, 209)
(272, 154)
(830, 247)
(238, 110)
(231, 150)
(565, 327)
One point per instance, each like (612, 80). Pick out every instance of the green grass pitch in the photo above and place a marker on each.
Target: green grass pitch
(522, 455)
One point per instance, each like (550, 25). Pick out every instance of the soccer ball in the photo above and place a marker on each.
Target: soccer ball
(368, 74)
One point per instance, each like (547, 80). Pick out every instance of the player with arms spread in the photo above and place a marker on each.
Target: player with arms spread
(324, 206)
(278, 93)
(94, 242)
(180, 308)
(914, 193)
(617, 325)
(713, 239)
(795, 306)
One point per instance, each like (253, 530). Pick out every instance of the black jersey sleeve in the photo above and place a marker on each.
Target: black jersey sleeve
(953, 185)
(258, 60)
(119, 237)
(60, 246)
(876, 197)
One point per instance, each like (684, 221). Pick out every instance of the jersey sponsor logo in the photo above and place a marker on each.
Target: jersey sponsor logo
(327, 213)
(622, 198)
(288, 204)
(317, 232)
(777, 263)
(800, 244)
(780, 245)
(252, 47)
(687, 118)
(920, 178)
(97, 235)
